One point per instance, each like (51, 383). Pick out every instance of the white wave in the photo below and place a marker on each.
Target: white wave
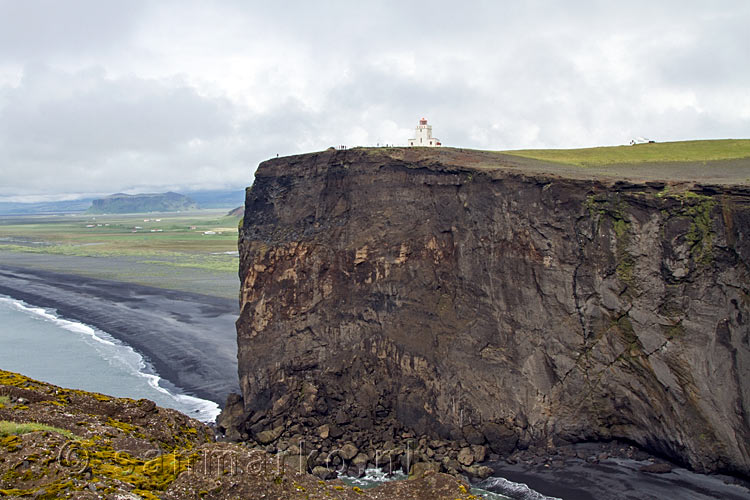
(125, 357)
(517, 491)
(372, 477)
(50, 316)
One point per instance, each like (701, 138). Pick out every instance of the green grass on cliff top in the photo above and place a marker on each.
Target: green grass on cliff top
(683, 151)
(8, 428)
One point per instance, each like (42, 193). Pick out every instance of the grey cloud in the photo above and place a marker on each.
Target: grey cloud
(98, 129)
(87, 113)
(34, 29)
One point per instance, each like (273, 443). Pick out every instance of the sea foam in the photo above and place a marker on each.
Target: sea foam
(516, 491)
(120, 357)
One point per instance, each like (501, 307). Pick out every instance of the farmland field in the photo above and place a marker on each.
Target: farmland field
(194, 251)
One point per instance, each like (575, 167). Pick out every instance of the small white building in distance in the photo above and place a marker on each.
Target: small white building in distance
(424, 136)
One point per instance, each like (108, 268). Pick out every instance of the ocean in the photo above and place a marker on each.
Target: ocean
(39, 344)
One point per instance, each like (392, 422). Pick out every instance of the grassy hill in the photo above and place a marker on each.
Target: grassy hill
(682, 151)
(140, 203)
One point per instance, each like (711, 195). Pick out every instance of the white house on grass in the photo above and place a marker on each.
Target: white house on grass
(424, 136)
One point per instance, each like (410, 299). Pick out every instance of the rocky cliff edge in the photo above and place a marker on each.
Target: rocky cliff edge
(493, 301)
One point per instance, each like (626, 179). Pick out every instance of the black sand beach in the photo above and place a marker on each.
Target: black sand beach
(617, 479)
(189, 338)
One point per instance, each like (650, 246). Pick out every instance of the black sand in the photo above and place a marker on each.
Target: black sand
(616, 479)
(189, 338)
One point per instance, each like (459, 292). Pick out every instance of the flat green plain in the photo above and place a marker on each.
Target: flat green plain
(195, 251)
(681, 151)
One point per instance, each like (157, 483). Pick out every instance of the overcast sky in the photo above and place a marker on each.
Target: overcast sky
(101, 96)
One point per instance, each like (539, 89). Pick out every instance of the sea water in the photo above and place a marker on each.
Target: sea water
(37, 343)
(494, 488)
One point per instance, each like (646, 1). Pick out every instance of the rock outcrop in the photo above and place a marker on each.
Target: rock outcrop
(463, 296)
(64, 443)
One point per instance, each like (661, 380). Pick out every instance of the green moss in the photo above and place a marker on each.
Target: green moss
(673, 331)
(594, 206)
(700, 235)
(11, 443)
(625, 261)
(623, 328)
(144, 476)
(16, 380)
(616, 211)
(126, 428)
(52, 403)
(15, 492)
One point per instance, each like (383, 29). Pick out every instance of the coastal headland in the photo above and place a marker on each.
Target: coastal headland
(474, 304)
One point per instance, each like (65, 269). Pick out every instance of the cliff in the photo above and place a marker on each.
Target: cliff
(140, 203)
(494, 300)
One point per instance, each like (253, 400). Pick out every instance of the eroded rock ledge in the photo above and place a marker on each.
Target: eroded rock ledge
(390, 294)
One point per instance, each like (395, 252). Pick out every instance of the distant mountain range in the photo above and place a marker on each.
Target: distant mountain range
(218, 199)
(44, 207)
(204, 199)
(122, 203)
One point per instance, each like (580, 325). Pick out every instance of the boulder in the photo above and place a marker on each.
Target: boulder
(269, 436)
(324, 472)
(478, 471)
(465, 456)
(230, 421)
(472, 435)
(500, 439)
(479, 452)
(348, 451)
(657, 468)
(420, 469)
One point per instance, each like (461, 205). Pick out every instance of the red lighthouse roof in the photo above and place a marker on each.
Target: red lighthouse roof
(423, 121)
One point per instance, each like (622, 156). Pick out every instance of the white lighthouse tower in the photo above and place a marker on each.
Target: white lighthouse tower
(424, 136)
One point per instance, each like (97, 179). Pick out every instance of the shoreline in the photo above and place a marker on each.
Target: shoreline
(188, 338)
(611, 471)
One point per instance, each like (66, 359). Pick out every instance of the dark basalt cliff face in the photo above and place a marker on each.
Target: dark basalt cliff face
(386, 291)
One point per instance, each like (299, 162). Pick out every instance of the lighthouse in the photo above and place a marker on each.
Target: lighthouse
(423, 136)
